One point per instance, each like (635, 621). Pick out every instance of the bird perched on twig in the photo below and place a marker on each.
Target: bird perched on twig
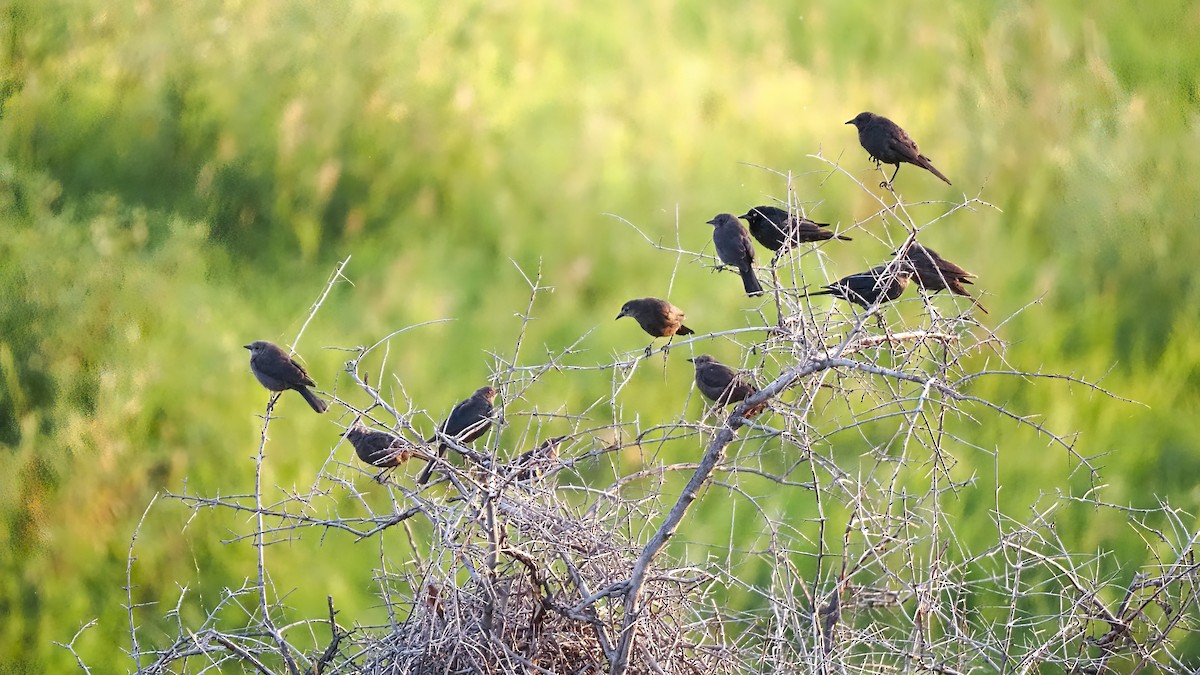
(777, 229)
(887, 143)
(657, 317)
(718, 382)
(469, 420)
(532, 462)
(934, 273)
(877, 284)
(278, 371)
(378, 448)
(734, 248)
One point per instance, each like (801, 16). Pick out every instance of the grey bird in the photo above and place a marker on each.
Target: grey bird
(378, 448)
(734, 248)
(657, 317)
(469, 420)
(777, 229)
(277, 371)
(865, 288)
(718, 382)
(934, 273)
(532, 462)
(887, 143)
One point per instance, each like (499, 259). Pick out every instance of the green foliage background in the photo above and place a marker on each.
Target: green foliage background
(179, 178)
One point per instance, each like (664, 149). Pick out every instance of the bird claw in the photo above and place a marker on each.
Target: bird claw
(886, 185)
(650, 350)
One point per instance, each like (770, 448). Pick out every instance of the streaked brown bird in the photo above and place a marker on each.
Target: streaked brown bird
(777, 229)
(378, 448)
(865, 288)
(532, 463)
(734, 248)
(657, 317)
(278, 371)
(718, 382)
(887, 143)
(934, 273)
(469, 420)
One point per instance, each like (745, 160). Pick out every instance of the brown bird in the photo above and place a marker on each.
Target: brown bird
(469, 420)
(887, 143)
(865, 288)
(734, 248)
(718, 382)
(378, 448)
(776, 229)
(277, 371)
(934, 273)
(532, 462)
(657, 317)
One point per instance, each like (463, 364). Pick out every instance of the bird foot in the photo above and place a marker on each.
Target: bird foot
(886, 185)
(650, 350)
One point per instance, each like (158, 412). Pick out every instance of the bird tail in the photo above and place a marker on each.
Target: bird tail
(825, 292)
(684, 330)
(313, 400)
(957, 289)
(843, 238)
(928, 166)
(750, 282)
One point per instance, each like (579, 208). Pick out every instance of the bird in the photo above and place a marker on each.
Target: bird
(887, 143)
(531, 462)
(277, 371)
(718, 382)
(734, 248)
(934, 273)
(469, 420)
(657, 317)
(378, 448)
(776, 229)
(878, 284)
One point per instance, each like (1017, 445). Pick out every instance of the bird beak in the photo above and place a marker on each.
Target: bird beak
(621, 315)
(246, 346)
(746, 216)
(850, 122)
(713, 221)
(691, 360)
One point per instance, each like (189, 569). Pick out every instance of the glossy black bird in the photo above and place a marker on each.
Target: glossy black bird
(278, 371)
(469, 420)
(864, 288)
(775, 228)
(934, 273)
(888, 143)
(718, 382)
(378, 448)
(532, 462)
(734, 248)
(657, 317)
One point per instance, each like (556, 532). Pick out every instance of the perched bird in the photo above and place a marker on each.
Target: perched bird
(887, 143)
(775, 228)
(865, 288)
(657, 317)
(531, 462)
(734, 248)
(934, 273)
(718, 382)
(469, 420)
(378, 448)
(277, 371)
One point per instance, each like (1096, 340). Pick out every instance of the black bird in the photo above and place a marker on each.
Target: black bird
(657, 317)
(888, 143)
(734, 248)
(865, 288)
(934, 273)
(718, 382)
(378, 448)
(469, 420)
(531, 462)
(278, 371)
(775, 228)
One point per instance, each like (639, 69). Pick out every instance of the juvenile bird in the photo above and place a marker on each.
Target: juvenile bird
(934, 273)
(864, 288)
(734, 248)
(532, 462)
(378, 448)
(775, 228)
(657, 317)
(469, 420)
(277, 371)
(886, 142)
(718, 382)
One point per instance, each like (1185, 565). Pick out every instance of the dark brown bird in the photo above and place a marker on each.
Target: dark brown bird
(886, 142)
(378, 448)
(865, 288)
(775, 228)
(469, 420)
(734, 248)
(278, 371)
(532, 462)
(657, 317)
(718, 382)
(934, 273)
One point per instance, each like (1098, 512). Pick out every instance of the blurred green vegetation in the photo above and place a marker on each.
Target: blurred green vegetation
(177, 179)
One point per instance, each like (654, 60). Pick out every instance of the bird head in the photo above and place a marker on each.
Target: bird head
(488, 393)
(862, 119)
(626, 309)
(257, 346)
(722, 219)
(701, 360)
